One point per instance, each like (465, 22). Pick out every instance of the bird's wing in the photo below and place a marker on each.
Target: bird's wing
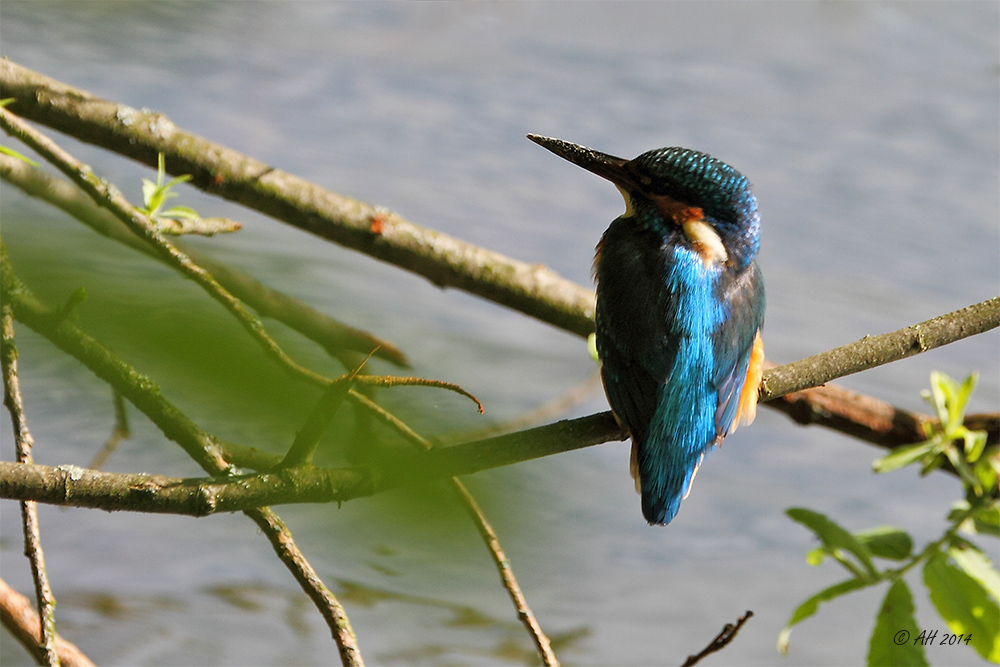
(636, 359)
(738, 350)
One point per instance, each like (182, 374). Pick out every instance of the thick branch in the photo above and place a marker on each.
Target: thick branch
(872, 351)
(157, 494)
(446, 261)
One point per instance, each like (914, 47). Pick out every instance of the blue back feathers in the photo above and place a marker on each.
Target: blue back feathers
(675, 333)
(678, 311)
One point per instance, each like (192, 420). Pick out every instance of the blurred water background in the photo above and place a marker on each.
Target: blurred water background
(869, 131)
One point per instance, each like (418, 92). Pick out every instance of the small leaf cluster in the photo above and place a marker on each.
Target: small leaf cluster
(962, 583)
(155, 195)
(177, 220)
(949, 439)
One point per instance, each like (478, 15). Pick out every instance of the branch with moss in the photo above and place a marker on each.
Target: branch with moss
(445, 261)
(334, 336)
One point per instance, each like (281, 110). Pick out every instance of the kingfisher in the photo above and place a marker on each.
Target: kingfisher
(680, 306)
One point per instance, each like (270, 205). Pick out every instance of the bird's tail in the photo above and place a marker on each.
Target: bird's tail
(663, 482)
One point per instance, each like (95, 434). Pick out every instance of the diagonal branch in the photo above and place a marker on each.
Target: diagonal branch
(334, 336)
(445, 261)
(872, 351)
(720, 642)
(204, 448)
(140, 224)
(22, 622)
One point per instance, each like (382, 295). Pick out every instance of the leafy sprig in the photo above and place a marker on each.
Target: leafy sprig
(962, 583)
(177, 220)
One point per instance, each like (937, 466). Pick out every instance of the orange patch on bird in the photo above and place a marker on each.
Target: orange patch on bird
(688, 214)
(747, 409)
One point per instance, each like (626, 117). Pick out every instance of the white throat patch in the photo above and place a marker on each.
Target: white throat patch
(706, 241)
(628, 202)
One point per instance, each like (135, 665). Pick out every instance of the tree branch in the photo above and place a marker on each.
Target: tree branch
(445, 261)
(73, 486)
(204, 448)
(722, 640)
(334, 336)
(23, 623)
(872, 351)
(23, 443)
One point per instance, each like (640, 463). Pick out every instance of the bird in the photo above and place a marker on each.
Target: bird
(680, 307)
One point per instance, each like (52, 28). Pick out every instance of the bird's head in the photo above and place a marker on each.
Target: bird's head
(686, 196)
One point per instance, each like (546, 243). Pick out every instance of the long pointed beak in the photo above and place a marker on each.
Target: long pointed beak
(602, 164)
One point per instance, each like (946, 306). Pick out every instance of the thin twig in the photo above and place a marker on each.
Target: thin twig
(118, 433)
(288, 551)
(140, 224)
(29, 512)
(542, 643)
(334, 336)
(23, 622)
(200, 445)
(722, 640)
(500, 560)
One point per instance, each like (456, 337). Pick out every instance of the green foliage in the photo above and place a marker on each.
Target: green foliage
(894, 618)
(943, 441)
(155, 195)
(962, 583)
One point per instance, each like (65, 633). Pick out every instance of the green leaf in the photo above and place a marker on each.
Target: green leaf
(833, 536)
(985, 519)
(893, 637)
(809, 607)
(180, 212)
(936, 397)
(975, 564)
(963, 470)
(964, 605)
(183, 178)
(961, 398)
(13, 153)
(903, 456)
(886, 542)
(975, 443)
